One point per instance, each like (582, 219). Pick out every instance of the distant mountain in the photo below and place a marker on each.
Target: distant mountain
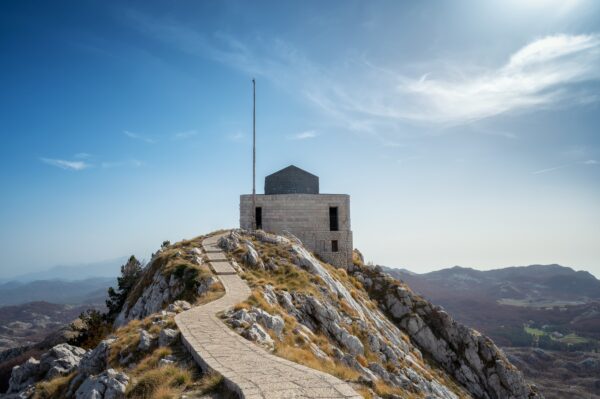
(531, 286)
(88, 291)
(105, 268)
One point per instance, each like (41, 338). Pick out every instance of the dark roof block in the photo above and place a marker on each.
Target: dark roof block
(291, 180)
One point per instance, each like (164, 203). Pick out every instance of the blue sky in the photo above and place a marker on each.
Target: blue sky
(466, 132)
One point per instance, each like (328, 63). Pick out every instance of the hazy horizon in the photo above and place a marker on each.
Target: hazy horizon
(466, 133)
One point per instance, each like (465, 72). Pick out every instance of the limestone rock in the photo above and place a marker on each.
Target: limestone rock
(179, 306)
(252, 259)
(229, 242)
(59, 360)
(110, 384)
(146, 341)
(24, 375)
(167, 337)
(257, 334)
(95, 361)
(161, 291)
(205, 284)
(269, 321)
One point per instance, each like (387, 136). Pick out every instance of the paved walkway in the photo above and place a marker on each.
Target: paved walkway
(248, 369)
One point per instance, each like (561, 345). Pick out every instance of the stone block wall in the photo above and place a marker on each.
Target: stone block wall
(307, 217)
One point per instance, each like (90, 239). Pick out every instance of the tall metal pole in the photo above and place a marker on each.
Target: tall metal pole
(253, 154)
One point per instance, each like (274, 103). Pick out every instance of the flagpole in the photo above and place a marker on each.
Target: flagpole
(253, 154)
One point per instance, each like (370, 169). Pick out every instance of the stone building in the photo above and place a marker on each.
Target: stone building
(292, 203)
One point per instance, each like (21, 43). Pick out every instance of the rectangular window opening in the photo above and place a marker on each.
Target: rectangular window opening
(334, 246)
(333, 218)
(258, 217)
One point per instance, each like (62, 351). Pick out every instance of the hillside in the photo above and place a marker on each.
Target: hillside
(534, 308)
(356, 328)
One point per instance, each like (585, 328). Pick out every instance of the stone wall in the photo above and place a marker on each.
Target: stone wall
(307, 217)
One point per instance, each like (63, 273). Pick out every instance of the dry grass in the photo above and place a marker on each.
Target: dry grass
(385, 390)
(54, 389)
(128, 338)
(167, 379)
(209, 382)
(306, 357)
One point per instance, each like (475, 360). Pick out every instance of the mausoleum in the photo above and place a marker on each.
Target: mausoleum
(292, 203)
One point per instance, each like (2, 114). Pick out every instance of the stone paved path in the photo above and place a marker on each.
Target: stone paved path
(248, 369)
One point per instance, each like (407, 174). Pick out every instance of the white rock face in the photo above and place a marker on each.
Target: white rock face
(470, 357)
(108, 385)
(155, 297)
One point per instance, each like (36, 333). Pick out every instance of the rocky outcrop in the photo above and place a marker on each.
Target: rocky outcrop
(161, 291)
(95, 361)
(59, 360)
(473, 359)
(110, 384)
(253, 325)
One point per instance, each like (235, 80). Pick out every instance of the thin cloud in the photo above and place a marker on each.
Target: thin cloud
(305, 135)
(82, 155)
(362, 96)
(536, 76)
(591, 162)
(185, 135)
(67, 165)
(137, 136)
(539, 172)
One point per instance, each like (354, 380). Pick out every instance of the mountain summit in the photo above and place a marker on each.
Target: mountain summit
(259, 315)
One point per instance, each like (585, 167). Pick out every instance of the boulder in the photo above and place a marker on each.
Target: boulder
(24, 375)
(95, 361)
(110, 384)
(257, 334)
(167, 337)
(268, 320)
(229, 242)
(61, 360)
(146, 341)
(252, 259)
(179, 306)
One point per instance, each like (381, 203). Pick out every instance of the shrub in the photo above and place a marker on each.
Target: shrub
(90, 329)
(130, 274)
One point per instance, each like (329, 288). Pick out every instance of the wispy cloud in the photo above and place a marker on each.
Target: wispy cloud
(185, 135)
(539, 172)
(591, 162)
(364, 96)
(305, 135)
(82, 155)
(137, 136)
(64, 164)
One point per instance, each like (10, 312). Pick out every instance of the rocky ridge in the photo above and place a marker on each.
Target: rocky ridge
(373, 324)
